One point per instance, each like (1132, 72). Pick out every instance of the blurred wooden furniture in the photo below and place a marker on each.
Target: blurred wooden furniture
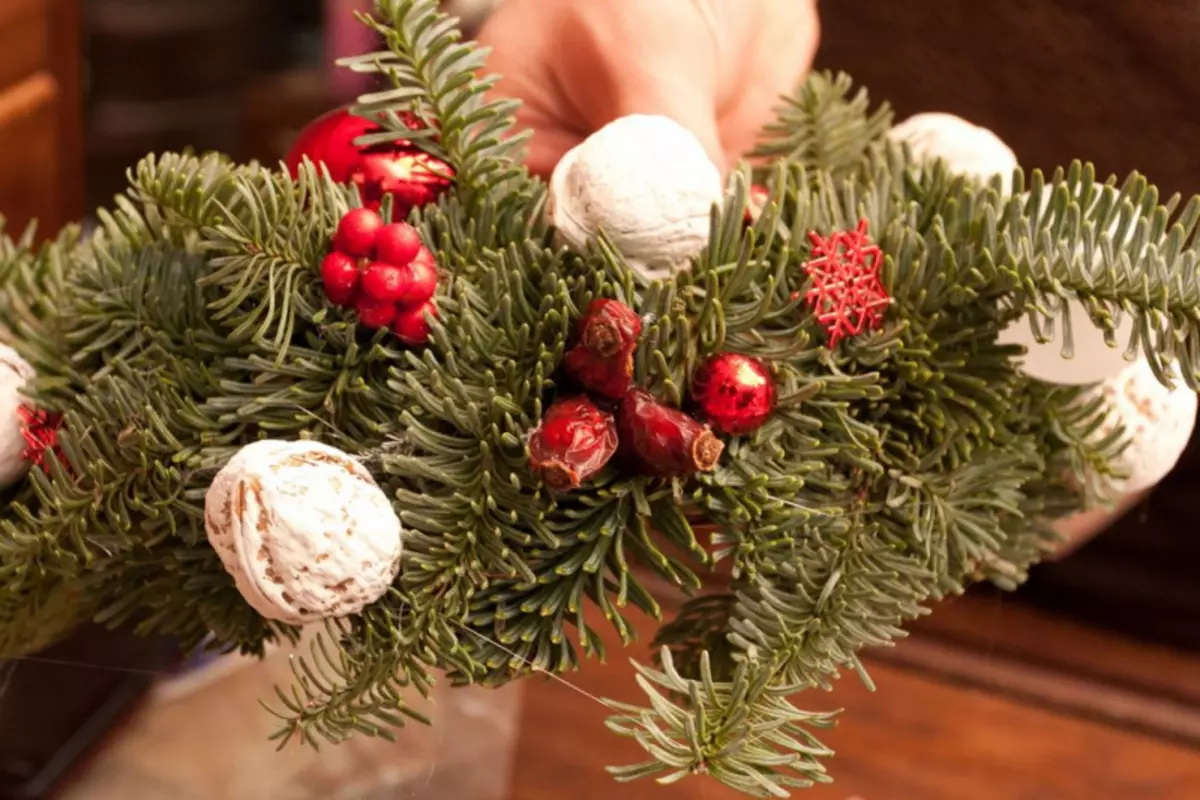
(988, 699)
(41, 152)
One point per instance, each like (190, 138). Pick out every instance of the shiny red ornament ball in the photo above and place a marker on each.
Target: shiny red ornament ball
(357, 232)
(401, 169)
(734, 393)
(411, 326)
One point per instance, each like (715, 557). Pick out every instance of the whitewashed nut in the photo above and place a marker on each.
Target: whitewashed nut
(647, 183)
(303, 529)
(966, 148)
(15, 372)
(1157, 421)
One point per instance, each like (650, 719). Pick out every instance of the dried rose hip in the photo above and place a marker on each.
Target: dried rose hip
(602, 361)
(665, 441)
(573, 442)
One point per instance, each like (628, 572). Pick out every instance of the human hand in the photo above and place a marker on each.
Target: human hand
(717, 67)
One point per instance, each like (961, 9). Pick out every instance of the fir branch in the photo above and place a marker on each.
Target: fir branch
(823, 128)
(744, 733)
(433, 75)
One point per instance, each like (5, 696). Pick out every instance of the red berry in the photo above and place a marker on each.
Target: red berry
(573, 442)
(384, 282)
(397, 244)
(602, 362)
(339, 274)
(665, 441)
(411, 326)
(341, 297)
(735, 393)
(374, 313)
(357, 231)
(420, 279)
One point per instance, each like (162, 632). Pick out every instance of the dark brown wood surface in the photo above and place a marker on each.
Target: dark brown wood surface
(41, 156)
(990, 699)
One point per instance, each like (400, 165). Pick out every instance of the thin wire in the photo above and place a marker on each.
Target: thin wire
(599, 700)
(60, 662)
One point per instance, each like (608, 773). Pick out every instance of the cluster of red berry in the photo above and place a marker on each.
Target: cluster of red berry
(384, 272)
(579, 434)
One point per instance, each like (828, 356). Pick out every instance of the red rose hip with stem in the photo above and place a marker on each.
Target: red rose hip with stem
(397, 244)
(420, 279)
(573, 441)
(339, 274)
(357, 231)
(384, 282)
(374, 313)
(664, 441)
(411, 326)
(602, 361)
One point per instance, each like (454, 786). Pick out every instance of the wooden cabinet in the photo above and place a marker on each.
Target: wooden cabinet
(41, 158)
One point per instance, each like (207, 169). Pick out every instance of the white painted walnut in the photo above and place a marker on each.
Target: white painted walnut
(647, 183)
(14, 373)
(1157, 421)
(965, 147)
(303, 529)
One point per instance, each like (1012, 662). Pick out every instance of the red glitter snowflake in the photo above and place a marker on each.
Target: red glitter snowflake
(847, 293)
(40, 431)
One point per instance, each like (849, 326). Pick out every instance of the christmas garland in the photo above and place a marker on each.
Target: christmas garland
(404, 389)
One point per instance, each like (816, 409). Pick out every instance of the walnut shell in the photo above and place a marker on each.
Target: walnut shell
(1157, 422)
(647, 183)
(966, 148)
(15, 372)
(303, 529)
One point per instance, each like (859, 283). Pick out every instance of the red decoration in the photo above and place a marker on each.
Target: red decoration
(357, 232)
(665, 441)
(602, 361)
(383, 272)
(411, 325)
(420, 279)
(735, 393)
(384, 282)
(398, 243)
(573, 442)
(401, 169)
(39, 429)
(339, 273)
(373, 313)
(847, 292)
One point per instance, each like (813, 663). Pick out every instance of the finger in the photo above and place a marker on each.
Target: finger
(669, 97)
(517, 57)
(614, 65)
(780, 58)
(547, 147)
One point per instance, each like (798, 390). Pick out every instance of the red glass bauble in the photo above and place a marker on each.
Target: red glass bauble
(401, 169)
(734, 393)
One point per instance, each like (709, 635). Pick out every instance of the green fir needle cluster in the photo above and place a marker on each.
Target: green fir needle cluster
(900, 467)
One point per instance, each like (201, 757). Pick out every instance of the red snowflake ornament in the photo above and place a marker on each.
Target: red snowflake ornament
(847, 293)
(40, 431)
